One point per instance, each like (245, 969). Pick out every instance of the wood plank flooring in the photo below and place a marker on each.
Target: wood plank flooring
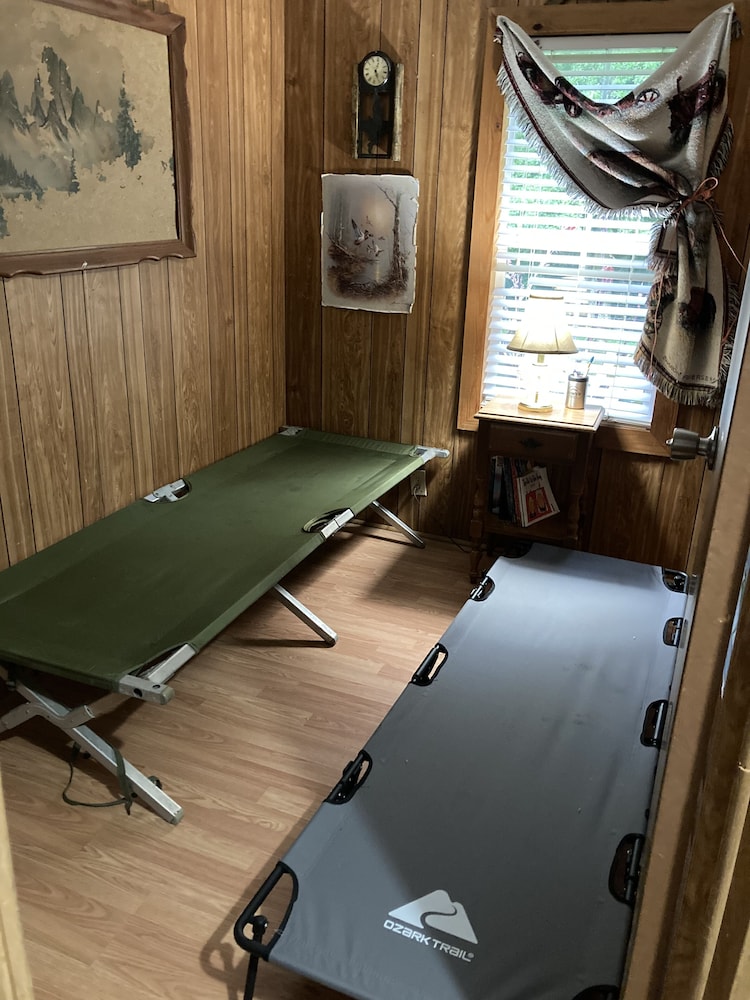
(118, 907)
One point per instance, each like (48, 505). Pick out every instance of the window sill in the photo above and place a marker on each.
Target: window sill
(641, 440)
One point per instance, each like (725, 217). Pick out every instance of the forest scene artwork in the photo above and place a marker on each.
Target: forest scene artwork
(369, 241)
(86, 141)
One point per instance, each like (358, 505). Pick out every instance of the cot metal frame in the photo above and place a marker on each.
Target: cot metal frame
(74, 722)
(151, 683)
(148, 685)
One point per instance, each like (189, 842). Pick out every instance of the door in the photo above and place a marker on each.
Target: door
(666, 928)
(15, 976)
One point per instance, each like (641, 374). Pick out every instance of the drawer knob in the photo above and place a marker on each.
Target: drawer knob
(531, 443)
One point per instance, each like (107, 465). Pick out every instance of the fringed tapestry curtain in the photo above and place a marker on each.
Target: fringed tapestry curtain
(658, 151)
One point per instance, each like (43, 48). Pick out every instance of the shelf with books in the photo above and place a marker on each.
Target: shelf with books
(520, 492)
(530, 475)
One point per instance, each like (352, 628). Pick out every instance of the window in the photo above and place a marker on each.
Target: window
(547, 240)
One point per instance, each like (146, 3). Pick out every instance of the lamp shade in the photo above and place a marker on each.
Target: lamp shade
(544, 328)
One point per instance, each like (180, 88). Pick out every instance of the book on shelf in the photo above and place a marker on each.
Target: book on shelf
(537, 500)
(503, 491)
(519, 492)
(497, 501)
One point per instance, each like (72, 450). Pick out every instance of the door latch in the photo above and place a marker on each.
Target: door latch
(685, 445)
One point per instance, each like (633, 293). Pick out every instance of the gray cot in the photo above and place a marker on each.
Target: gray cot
(486, 842)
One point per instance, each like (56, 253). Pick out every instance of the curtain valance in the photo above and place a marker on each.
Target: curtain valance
(658, 151)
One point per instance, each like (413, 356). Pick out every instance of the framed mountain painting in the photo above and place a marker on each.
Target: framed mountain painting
(94, 137)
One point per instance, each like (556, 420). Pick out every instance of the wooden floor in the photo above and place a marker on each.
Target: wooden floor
(118, 907)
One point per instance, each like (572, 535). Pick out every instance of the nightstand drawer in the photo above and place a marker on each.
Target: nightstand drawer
(539, 444)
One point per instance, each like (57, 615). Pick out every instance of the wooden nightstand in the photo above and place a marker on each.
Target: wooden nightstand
(560, 441)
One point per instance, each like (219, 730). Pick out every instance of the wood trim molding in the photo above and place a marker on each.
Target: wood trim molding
(606, 19)
(642, 440)
(672, 917)
(15, 976)
(492, 124)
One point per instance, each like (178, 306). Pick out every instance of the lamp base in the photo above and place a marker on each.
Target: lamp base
(535, 395)
(536, 407)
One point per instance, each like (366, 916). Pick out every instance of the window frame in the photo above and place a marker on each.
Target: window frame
(578, 19)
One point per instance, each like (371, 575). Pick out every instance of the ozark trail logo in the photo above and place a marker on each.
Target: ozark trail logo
(434, 912)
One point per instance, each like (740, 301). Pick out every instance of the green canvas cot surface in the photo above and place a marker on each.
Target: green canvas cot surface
(126, 590)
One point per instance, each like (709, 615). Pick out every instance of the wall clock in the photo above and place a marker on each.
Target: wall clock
(377, 112)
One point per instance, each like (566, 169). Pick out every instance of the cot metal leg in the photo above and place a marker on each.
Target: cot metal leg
(398, 523)
(304, 614)
(72, 722)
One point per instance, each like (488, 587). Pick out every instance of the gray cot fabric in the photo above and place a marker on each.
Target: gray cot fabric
(473, 861)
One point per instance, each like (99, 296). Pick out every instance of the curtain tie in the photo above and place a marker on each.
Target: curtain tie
(703, 193)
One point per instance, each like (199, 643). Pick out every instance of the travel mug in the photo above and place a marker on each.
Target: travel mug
(575, 398)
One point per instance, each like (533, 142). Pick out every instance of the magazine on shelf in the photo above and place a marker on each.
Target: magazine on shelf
(535, 498)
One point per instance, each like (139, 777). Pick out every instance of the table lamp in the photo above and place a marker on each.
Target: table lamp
(543, 331)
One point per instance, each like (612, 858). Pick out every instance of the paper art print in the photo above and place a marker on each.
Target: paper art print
(369, 241)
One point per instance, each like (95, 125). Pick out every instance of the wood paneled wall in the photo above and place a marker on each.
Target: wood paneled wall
(366, 373)
(398, 376)
(117, 380)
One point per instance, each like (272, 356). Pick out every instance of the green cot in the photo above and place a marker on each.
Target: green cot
(125, 602)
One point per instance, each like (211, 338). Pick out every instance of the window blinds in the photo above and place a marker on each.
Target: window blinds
(547, 241)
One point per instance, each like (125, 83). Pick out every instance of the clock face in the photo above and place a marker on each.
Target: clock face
(375, 70)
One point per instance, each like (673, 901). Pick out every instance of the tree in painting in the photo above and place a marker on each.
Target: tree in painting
(128, 137)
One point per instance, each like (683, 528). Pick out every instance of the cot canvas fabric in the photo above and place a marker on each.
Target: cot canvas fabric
(475, 858)
(659, 151)
(147, 579)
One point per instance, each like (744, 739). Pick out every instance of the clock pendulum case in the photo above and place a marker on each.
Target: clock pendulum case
(377, 110)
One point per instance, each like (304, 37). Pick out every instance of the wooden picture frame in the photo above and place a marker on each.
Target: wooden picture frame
(136, 170)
